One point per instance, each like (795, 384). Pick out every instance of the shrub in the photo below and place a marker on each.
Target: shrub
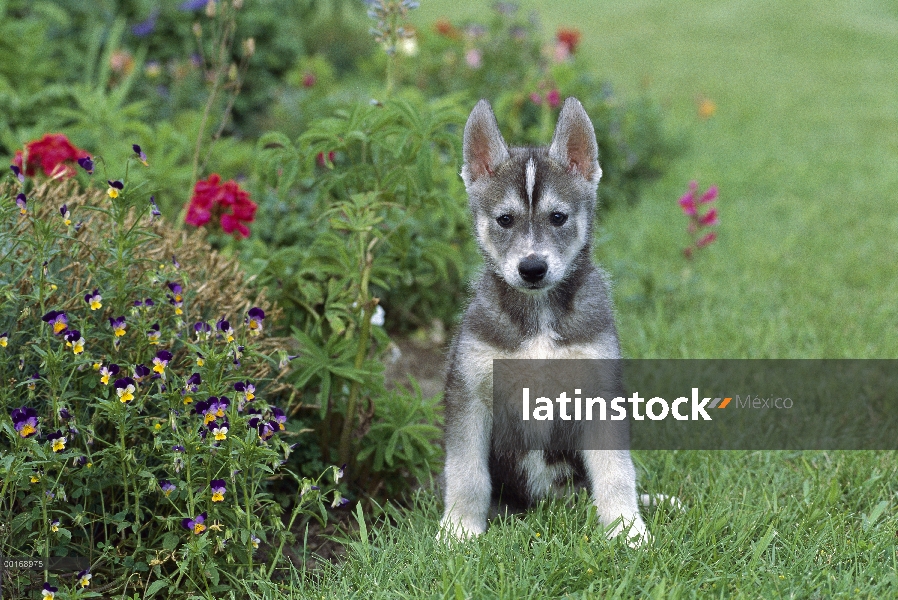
(134, 423)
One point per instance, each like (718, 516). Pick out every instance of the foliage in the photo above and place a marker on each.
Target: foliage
(107, 450)
(379, 227)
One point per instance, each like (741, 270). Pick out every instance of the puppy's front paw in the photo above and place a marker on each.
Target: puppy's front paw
(637, 533)
(454, 529)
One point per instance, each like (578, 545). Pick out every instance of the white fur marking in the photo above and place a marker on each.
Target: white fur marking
(531, 179)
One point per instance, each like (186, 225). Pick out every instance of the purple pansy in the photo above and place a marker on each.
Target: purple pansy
(154, 208)
(125, 388)
(224, 327)
(219, 430)
(254, 319)
(279, 417)
(153, 334)
(57, 319)
(22, 203)
(202, 330)
(160, 361)
(57, 441)
(107, 372)
(167, 486)
(195, 524)
(141, 372)
(176, 298)
(94, 299)
(24, 420)
(87, 164)
(18, 173)
(140, 154)
(118, 326)
(217, 486)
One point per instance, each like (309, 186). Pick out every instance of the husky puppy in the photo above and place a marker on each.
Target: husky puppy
(539, 297)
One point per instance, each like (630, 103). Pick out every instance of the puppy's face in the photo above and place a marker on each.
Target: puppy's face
(532, 207)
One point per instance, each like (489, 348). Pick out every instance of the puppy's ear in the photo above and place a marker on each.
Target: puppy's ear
(574, 143)
(484, 147)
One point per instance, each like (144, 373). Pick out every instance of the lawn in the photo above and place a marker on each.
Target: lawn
(803, 145)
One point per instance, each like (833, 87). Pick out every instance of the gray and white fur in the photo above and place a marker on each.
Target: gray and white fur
(539, 297)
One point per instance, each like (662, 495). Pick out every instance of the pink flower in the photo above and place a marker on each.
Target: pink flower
(553, 98)
(707, 239)
(687, 203)
(709, 218)
(710, 195)
(536, 98)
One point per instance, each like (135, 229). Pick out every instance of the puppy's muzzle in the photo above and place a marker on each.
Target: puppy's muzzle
(533, 269)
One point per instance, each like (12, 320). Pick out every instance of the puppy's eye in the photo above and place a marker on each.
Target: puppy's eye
(505, 221)
(557, 219)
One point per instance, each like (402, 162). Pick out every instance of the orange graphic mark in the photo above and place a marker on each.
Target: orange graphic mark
(724, 403)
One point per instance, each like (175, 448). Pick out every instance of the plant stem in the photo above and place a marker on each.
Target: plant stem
(367, 306)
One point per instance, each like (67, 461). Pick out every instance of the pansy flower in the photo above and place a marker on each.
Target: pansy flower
(225, 328)
(200, 360)
(64, 414)
(22, 203)
(73, 338)
(32, 381)
(24, 420)
(57, 319)
(114, 188)
(217, 486)
(193, 382)
(57, 441)
(66, 215)
(54, 525)
(94, 300)
(247, 389)
(202, 330)
(279, 417)
(202, 408)
(219, 406)
(125, 388)
(339, 500)
(140, 155)
(141, 372)
(219, 430)
(254, 540)
(154, 208)
(118, 326)
(4, 339)
(160, 361)
(254, 320)
(84, 578)
(266, 428)
(176, 298)
(48, 592)
(17, 171)
(154, 334)
(167, 486)
(196, 524)
(106, 372)
(87, 164)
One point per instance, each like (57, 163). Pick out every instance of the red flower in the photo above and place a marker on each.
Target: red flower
(232, 204)
(53, 152)
(568, 37)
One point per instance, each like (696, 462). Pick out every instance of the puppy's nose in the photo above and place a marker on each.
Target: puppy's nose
(532, 269)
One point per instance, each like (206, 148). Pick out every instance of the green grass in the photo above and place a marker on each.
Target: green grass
(804, 147)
